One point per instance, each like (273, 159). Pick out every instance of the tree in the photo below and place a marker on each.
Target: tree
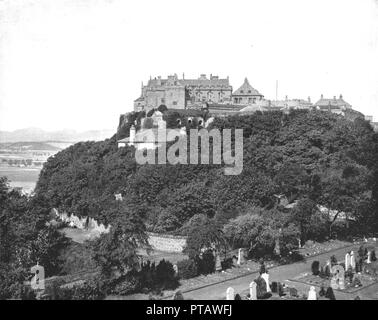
(302, 215)
(204, 237)
(116, 251)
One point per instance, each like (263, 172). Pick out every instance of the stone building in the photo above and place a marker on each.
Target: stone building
(291, 104)
(183, 93)
(246, 94)
(338, 106)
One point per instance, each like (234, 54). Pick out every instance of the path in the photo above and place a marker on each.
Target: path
(280, 274)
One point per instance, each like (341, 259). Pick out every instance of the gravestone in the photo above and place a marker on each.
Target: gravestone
(368, 257)
(230, 294)
(293, 292)
(338, 276)
(218, 264)
(175, 268)
(265, 276)
(240, 257)
(281, 289)
(253, 290)
(347, 261)
(352, 261)
(312, 294)
(261, 288)
(274, 287)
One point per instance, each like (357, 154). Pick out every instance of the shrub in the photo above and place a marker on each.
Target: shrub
(89, 290)
(187, 269)
(178, 296)
(333, 260)
(373, 257)
(207, 263)
(315, 268)
(165, 276)
(227, 263)
(147, 275)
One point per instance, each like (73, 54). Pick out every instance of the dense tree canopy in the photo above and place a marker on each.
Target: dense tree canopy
(312, 155)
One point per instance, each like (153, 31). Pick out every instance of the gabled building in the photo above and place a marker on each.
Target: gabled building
(246, 94)
(338, 106)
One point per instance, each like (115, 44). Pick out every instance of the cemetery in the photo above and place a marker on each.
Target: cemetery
(349, 273)
(357, 271)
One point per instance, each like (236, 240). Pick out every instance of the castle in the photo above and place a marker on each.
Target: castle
(219, 97)
(200, 100)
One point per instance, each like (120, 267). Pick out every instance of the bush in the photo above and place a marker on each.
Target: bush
(125, 285)
(227, 264)
(165, 276)
(373, 257)
(89, 290)
(333, 260)
(315, 268)
(206, 263)
(187, 269)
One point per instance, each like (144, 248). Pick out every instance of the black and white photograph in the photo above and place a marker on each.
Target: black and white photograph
(194, 150)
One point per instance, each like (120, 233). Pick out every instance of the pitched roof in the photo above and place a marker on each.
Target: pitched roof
(213, 82)
(292, 103)
(246, 90)
(333, 103)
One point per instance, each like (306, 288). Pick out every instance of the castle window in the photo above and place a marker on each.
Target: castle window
(241, 91)
(162, 100)
(174, 103)
(190, 120)
(178, 121)
(249, 91)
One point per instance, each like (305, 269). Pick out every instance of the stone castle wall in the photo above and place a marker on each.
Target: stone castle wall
(160, 242)
(166, 243)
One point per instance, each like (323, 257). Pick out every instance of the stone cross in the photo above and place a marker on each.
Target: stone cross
(352, 261)
(252, 291)
(347, 261)
(265, 276)
(230, 293)
(312, 294)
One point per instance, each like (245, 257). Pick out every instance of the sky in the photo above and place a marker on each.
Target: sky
(79, 64)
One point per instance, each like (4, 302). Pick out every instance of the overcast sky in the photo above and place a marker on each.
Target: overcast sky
(79, 64)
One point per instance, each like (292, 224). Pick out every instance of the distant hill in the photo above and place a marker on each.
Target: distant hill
(39, 135)
(36, 146)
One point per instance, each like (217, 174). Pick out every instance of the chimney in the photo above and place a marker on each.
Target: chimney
(286, 98)
(341, 96)
(309, 99)
(183, 76)
(334, 97)
(203, 77)
(321, 96)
